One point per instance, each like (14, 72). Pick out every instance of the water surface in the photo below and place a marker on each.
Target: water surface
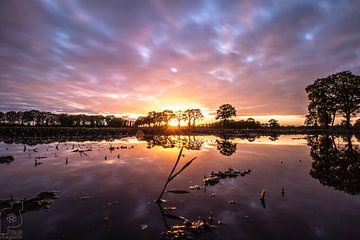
(110, 194)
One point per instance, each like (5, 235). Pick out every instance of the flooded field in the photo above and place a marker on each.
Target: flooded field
(278, 187)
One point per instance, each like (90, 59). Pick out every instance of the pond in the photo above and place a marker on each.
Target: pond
(277, 187)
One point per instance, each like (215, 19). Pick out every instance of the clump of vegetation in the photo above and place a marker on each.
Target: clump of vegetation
(6, 159)
(189, 229)
(215, 177)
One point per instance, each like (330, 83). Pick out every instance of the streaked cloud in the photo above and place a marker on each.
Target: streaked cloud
(135, 56)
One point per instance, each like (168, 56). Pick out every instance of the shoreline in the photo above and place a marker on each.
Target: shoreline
(45, 134)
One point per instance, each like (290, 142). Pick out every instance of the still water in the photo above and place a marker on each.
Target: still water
(107, 188)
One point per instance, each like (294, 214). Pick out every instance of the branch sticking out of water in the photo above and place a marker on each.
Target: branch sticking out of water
(172, 175)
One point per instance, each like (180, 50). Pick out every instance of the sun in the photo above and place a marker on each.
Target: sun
(173, 123)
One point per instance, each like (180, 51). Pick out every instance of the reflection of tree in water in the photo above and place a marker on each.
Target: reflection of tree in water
(189, 142)
(226, 147)
(274, 137)
(336, 166)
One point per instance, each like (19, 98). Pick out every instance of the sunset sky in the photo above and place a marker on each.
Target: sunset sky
(129, 57)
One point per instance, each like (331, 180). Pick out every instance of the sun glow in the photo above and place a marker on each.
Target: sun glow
(180, 107)
(174, 123)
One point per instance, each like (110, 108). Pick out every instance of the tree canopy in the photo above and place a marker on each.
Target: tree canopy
(337, 94)
(225, 112)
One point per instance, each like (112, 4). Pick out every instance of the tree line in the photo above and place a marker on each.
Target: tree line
(41, 118)
(152, 119)
(157, 119)
(224, 113)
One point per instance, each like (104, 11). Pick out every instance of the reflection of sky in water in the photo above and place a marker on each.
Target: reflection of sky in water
(124, 189)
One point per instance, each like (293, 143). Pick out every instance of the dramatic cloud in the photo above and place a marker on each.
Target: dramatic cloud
(133, 56)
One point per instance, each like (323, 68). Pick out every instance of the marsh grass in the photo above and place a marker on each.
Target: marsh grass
(172, 176)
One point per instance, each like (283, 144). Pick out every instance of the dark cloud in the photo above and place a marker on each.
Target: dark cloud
(134, 56)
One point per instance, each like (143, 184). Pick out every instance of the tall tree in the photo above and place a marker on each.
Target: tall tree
(347, 86)
(197, 114)
(338, 93)
(273, 123)
(179, 115)
(167, 115)
(225, 112)
(322, 102)
(188, 115)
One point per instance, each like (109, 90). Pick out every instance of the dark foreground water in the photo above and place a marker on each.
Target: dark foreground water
(311, 188)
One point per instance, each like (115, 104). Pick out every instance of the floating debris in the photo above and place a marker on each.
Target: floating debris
(82, 151)
(262, 195)
(177, 191)
(86, 197)
(232, 202)
(188, 229)
(214, 178)
(170, 208)
(262, 198)
(37, 163)
(6, 159)
(195, 187)
(144, 226)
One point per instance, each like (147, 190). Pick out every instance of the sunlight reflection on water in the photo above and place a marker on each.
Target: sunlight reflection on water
(124, 182)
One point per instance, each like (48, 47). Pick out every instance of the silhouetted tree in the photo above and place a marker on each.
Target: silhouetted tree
(179, 115)
(196, 115)
(12, 117)
(188, 115)
(167, 115)
(191, 115)
(225, 112)
(347, 86)
(28, 118)
(273, 123)
(66, 120)
(336, 94)
(2, 117)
